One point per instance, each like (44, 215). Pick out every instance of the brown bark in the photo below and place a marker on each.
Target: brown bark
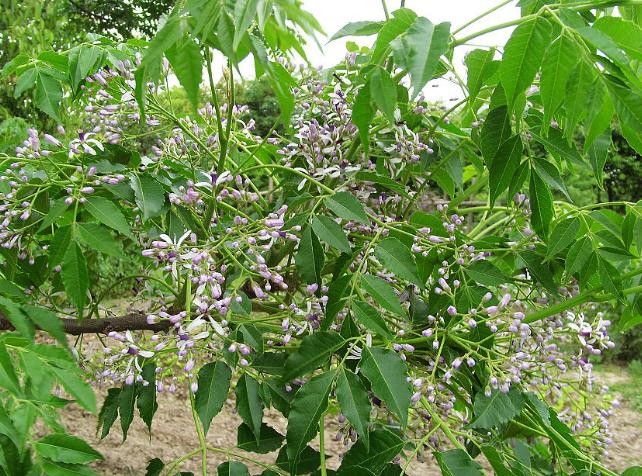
(132, 322)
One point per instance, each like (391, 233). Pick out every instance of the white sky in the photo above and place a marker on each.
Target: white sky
(333, 14)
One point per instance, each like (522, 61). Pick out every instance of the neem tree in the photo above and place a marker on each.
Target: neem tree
(339, 269)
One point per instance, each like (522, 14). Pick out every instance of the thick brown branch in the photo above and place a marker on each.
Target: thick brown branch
(135, 321)
(132, 322)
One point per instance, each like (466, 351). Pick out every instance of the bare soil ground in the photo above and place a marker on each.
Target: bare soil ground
(173, 436)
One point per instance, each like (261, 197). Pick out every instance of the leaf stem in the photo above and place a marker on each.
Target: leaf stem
(322, 444)
(481, 15)
(580, 299)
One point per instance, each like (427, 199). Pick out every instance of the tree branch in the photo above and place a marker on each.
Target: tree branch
(133, 322)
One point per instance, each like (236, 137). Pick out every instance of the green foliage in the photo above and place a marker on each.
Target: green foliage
(306, 269)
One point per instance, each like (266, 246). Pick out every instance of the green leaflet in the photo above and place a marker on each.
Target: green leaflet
(244, 13)
(186, 61)
(579, 255)
(83, 60)
(562, 236)
(401, 20)
(610, 277)
(559, 60)
(538, 269)
(486, 273)
(382, 293)
(48, 95)
(98, 238)
(213, 386)
(46, 321)
(497, 409)
(503, 166)
(150, 196)
(628, 105)
(249, 404)
(575, 97)
(357, 28)
(627, 34)
(496, 461)
(75, 385)
(480, 66)
(354, 403)
(329, 231)
(541, 205)
(457, 463)
(146, 400)
(369, 317)
(395, 256)
(315, 350)
(346, 206)
(308, 461)
(523, 55)
(387, 374)
(126, 399)
(108, 214)
(362, 115)
(269, 439)
(232, 468)
(60, 245)
(65, 448)
(384, 92)
(549, 173)
(74, 276)
(385, 182)
(418, 50)
(309, 259)
(53, 468)
(597, 154)
(384, 446)
(18, 320)
(495, 131)
(309, 404)
(282, 83)
(108, 412)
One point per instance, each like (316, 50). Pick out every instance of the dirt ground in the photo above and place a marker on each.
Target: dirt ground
(173, 436)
